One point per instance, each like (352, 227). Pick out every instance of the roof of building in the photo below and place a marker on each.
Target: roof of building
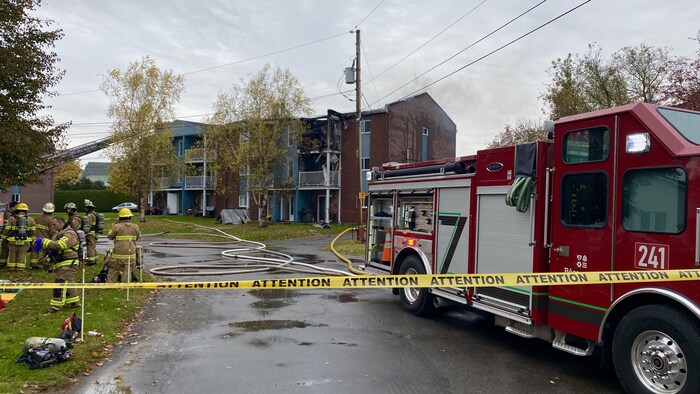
(94, 168)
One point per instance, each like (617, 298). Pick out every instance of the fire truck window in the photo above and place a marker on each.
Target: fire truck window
(687, 123)
(584, 199)
(585, 146)
(654, 200)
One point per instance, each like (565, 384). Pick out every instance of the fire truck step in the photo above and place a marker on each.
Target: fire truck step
(519, 331)
(560, 343)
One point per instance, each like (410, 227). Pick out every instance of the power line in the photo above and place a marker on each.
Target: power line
(370, 73)
(464, 49)
(427, 42)
(237, 61)
(370, 13)
(498, 49)
(266, 54)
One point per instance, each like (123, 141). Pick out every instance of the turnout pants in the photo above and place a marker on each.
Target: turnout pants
(65, 274)
(17, 256)
(123, 266)
(91, 240)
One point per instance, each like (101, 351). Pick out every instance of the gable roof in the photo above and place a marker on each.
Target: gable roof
(94, 168)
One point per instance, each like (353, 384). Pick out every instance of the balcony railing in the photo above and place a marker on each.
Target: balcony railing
(198, 182)
(194, 154)
(316, 178)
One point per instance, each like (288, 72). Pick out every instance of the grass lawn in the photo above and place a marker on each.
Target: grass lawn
(106, 310)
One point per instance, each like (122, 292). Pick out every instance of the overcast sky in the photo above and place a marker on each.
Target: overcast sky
(216, 43)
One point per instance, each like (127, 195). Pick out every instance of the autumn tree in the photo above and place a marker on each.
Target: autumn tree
(645, 71)
(249, 130)
(142, 100)
(68, 173)
(521, 132)
(27, 73)
(683, 89)
(582, 83)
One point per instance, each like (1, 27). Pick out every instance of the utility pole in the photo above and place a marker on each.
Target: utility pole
(358, 109)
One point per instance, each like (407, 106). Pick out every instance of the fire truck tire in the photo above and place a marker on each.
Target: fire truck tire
(416, 301)
(656, 349)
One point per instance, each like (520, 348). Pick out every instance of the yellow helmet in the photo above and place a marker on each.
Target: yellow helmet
(89, 204)
(21, 207)
(125, 213)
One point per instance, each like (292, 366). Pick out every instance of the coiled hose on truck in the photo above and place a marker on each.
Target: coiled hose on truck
(518, 195)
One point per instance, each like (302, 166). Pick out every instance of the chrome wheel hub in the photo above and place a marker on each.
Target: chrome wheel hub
(659, 362)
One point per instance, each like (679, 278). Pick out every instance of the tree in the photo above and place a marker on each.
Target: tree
(584, 83)
(683, 89)
(645, 70)
(142, 100)
(250, 127)
(27, 72)
(68, 173)
(523, 131)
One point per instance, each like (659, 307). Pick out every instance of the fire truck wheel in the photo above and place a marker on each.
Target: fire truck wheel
(656, 349)
(416, 301)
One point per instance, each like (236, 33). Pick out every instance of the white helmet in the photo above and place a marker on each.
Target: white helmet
(49, 207)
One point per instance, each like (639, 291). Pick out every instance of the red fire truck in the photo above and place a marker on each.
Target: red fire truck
(613, 190)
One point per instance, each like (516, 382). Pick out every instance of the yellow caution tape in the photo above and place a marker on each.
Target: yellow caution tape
(391, 281)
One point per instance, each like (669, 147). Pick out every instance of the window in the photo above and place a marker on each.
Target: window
(365, 126)
(180, 147)
(687, 123)
(654, 200)
(425, 131)
(365, 163)
(585, 200)
(16, 197)
(584, 146)
(243, 201)
(290, 169)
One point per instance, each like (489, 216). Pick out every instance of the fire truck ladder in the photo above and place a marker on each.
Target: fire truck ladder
(56, 159)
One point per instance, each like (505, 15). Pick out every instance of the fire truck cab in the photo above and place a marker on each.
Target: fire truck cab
(613, 190)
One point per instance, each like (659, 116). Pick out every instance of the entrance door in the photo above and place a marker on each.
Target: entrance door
(582, 222)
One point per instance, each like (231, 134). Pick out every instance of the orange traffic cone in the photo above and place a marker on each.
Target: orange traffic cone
(386, 252)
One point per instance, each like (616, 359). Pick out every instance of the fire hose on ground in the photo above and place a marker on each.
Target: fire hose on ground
(243, 257)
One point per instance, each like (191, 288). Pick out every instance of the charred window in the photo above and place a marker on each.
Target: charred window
(588, 145)
(585, 200)
(654, 200)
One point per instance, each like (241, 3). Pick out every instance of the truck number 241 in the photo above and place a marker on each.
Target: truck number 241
(651, 256)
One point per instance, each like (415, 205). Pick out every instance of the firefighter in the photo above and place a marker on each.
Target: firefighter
(19, 230)
(43, 230)
(73, 218)
(91, 235)
(124, 234)
(9, 211)
(63, 251)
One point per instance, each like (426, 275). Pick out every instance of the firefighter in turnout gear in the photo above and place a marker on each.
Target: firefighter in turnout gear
(73, 218)
(65, 261)
(4, 247)
(124, 234)
(19, 233)
(43, 230)
(91, 234)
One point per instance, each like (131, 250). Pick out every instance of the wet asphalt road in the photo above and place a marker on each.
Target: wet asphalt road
(337, 341)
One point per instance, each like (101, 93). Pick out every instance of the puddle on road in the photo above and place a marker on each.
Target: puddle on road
(274, 294)
(260, 325)
(344, 298)
(270, 304)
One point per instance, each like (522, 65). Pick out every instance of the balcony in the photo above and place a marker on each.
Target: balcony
(200, 182)
(316, 179)
(194, 155)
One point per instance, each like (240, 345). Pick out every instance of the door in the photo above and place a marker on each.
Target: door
(582, 222)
